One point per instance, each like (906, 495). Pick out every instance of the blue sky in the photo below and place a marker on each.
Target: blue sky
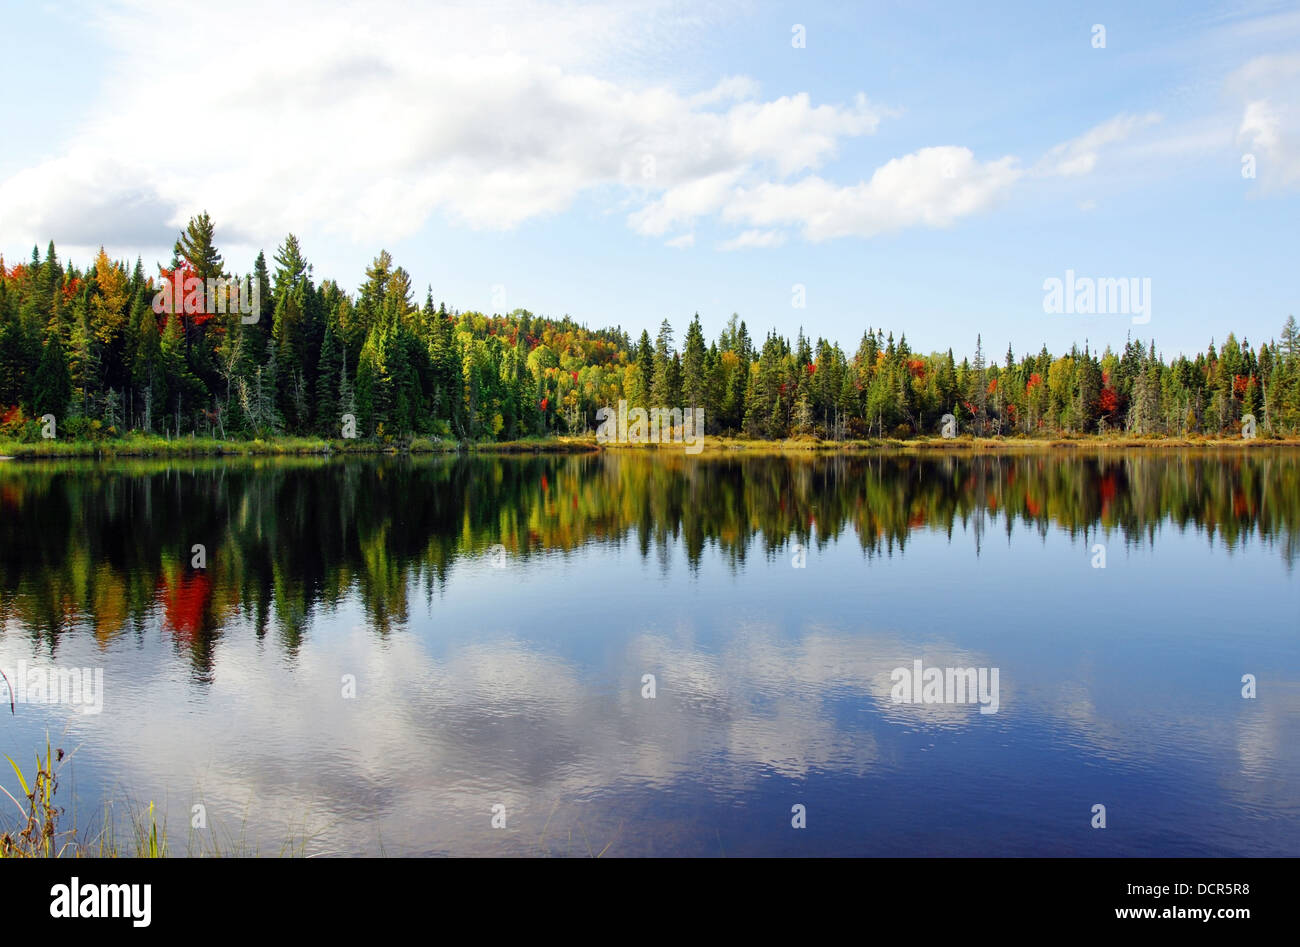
(924, 167)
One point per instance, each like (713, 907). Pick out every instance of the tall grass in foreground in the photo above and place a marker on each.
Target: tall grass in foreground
(38, 833)
(38, 837)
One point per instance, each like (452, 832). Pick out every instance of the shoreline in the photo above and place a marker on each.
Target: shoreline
(206, 447)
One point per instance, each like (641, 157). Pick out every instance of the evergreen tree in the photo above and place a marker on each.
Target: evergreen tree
(195, 246)
(52, 389)
(664, 388)
(329, 372)
(694, 369)
(645, 360)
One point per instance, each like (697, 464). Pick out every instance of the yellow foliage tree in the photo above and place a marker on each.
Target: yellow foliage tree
(108, 308)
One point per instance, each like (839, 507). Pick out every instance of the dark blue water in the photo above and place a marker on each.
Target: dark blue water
(514, 677)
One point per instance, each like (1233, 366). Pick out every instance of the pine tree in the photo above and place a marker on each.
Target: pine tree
(694, 374)
(20, 354)
(48, 282)
(146, 369)
(672, 387)
(195, 246)
(737, 391)
(663, 392)
(645, 360)
(52, 389)
(259, 333)
(978, 391)
(329, 373)
(714, 381)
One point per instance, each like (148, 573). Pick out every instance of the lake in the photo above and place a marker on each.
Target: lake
(632, 653)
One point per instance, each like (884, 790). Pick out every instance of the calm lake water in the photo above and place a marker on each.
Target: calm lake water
(497, 618)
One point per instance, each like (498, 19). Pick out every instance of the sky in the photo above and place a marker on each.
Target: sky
(924, 167)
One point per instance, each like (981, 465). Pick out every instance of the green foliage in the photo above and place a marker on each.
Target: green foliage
(90, 346)
(52, 388)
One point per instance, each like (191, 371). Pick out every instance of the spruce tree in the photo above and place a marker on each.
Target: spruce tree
(195, 246)
(645, 360)
(52, 387)
(663, 390)
(694, 368)
(328, 376)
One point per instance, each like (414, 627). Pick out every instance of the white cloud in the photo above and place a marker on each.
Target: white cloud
(793, 134)
(328, 124)
(82, 199)
(1270, 120)
(1262, 125)
(754, 238)
(685, 203)
(729, 89)
(1079, 155)
(933, 187)
(682, 242)
(1265, 72)
(318, 120)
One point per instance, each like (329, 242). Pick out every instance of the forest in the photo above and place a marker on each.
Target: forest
(90, 348)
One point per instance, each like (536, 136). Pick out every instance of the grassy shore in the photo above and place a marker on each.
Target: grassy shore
(715, 445)
(154, 446)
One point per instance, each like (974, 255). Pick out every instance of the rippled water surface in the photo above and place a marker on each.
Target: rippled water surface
(498, 617)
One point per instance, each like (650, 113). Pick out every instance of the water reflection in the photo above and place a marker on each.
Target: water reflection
(522, 686)
(103, 546)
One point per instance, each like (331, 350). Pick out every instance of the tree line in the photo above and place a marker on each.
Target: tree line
(89, 347)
